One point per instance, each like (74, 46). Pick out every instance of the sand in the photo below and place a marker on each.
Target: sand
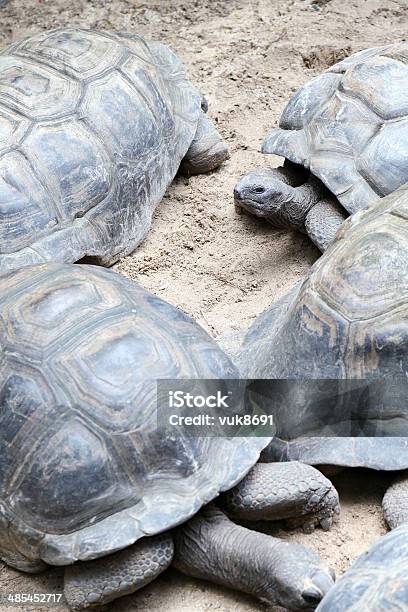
(221, 267)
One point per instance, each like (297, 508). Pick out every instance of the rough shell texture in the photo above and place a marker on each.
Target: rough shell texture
(377, 581)
(347, 320)
(93, 127)
(350, 126)
(84, 471)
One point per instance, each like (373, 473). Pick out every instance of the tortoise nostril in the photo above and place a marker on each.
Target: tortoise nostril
(259, 189)
(312, 596)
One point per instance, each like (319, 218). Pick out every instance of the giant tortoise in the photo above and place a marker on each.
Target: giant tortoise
(348, 320)
(377, 581)
(85, 471)
(349, 128)
(93, 128)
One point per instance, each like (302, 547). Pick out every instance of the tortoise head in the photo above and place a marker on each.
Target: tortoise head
(264, 193)
(300, 578)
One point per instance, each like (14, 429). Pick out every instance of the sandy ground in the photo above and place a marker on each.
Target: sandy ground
(224, 268)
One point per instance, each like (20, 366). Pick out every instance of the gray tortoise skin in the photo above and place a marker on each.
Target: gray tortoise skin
(349, 127)
(347, 320)
(377, 581)
(93, 128)
(85, 471)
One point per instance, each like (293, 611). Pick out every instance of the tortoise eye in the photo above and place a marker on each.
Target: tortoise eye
(259, 189)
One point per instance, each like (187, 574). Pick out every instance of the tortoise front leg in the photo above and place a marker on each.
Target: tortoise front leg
(293, 491)
(323, 221)
(211, 547)
(395, 501)
(207, 151)
(98, 582)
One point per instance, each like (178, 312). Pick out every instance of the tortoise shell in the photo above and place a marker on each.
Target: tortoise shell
(349, 126)
(84, 470)
(348, 320)
(377, 580)
(93, 126)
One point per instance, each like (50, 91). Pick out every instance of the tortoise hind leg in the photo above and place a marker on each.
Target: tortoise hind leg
(207, 151)
(16, 553)
(21, 562)
(213, 548)
(98, 582)
(395, 501)
(293, 491)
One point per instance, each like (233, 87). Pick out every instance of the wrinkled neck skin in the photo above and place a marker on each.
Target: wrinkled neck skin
(312, 191)
(212, 547)
(217, 550)
(299, 201)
